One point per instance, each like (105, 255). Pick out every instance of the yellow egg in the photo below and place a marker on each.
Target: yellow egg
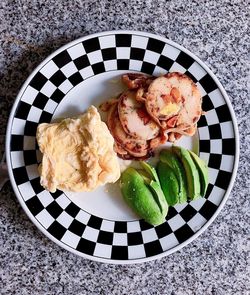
(77, 153)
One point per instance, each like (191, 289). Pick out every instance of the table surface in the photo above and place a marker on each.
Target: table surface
(216, 262)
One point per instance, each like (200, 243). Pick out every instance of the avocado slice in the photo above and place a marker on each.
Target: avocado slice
(150, 170)
(169, 183)
(141, 199)
(172, 160)
(203, 172)
(154, 184)
(155, 188)
(193, 179)
(144, 175)
(159, 197)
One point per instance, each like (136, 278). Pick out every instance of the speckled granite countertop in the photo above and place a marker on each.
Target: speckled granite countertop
(215, 263)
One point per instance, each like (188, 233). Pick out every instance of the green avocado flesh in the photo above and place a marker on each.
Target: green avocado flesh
(203, 172)
(172, 160)
(180, 175)
(150, 170)
(169, 183)
(193, 179)
(159, 197)
(140, 198)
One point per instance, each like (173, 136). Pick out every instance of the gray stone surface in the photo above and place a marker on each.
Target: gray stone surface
(215, 263)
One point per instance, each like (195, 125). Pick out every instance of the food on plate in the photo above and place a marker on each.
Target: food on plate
(142, 192)
(174, 101)
(77, 153)
(169, 183)
(152, 111)
(193, 179)
(171, 161)
(134, 118)
(190, 171)
(130, 146)
(137, 80)
(180, 176)
(203, 171)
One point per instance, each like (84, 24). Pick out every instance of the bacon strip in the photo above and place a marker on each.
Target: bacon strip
(136, 80)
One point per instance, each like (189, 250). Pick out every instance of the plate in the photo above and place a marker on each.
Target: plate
(99, 225)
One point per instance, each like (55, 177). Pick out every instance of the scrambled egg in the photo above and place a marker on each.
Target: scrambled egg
(78, 154)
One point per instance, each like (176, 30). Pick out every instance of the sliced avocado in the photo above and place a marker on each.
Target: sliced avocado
(158, 194)
(145, 176)
(203, 172)
(140, 198)
(169, 183)
(156, 190)
(172, 160)
(193, 179)
(150, 177)
(150, 170)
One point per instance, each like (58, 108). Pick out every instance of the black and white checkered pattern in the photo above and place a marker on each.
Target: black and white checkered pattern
(62, 219)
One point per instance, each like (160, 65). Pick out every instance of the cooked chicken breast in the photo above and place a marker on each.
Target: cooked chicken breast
(174, 96)
(151, 112)
(134, 118)
(136, 147)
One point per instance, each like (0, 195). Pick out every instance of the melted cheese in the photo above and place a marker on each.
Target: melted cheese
(77, 153)
(170, 108)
